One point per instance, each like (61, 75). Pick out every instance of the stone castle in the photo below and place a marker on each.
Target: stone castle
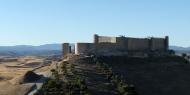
(108, 46)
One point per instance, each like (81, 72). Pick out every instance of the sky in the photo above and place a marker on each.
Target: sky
(37, 22)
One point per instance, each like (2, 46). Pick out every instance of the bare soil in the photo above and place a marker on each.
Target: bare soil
(11, 71)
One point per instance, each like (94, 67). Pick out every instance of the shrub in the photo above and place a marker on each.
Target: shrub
(171, 52)
(64, 68)
(55, 74)
(183, 55)
(72, 67)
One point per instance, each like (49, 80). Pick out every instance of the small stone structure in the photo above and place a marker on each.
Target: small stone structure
(104, 45)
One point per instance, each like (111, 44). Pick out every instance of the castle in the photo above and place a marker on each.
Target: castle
(107, 46)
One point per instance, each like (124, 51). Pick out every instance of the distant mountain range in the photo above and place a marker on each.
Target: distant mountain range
(52, 49)
(30, 47)
(178, 48)
(24, 50)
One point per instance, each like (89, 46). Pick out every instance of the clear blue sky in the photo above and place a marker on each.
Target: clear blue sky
(36, 22)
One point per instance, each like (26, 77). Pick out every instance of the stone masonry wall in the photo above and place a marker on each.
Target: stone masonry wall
(105, 45)
(137, 44)
(83, 48)
(104, 39)
(158, 44)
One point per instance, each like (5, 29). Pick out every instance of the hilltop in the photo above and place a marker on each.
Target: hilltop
(116, 75)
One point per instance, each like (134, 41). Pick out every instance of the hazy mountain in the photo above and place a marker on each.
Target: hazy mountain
(22, 50)
(179, 48)
(30, 47)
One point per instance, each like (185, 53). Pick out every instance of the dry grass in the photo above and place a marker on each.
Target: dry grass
(9, 71)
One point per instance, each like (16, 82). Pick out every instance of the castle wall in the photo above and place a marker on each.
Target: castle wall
(99, 48)
(158, 44)
(122, 41)
(81, 48)
(121, 45)
(108, 49)
(104, 46)
(137, 44)
(143, 44)
(104, 39)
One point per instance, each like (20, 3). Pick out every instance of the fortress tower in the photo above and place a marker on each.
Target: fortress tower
(96, 38)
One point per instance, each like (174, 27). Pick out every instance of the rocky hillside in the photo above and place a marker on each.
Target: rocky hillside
(153, 76)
